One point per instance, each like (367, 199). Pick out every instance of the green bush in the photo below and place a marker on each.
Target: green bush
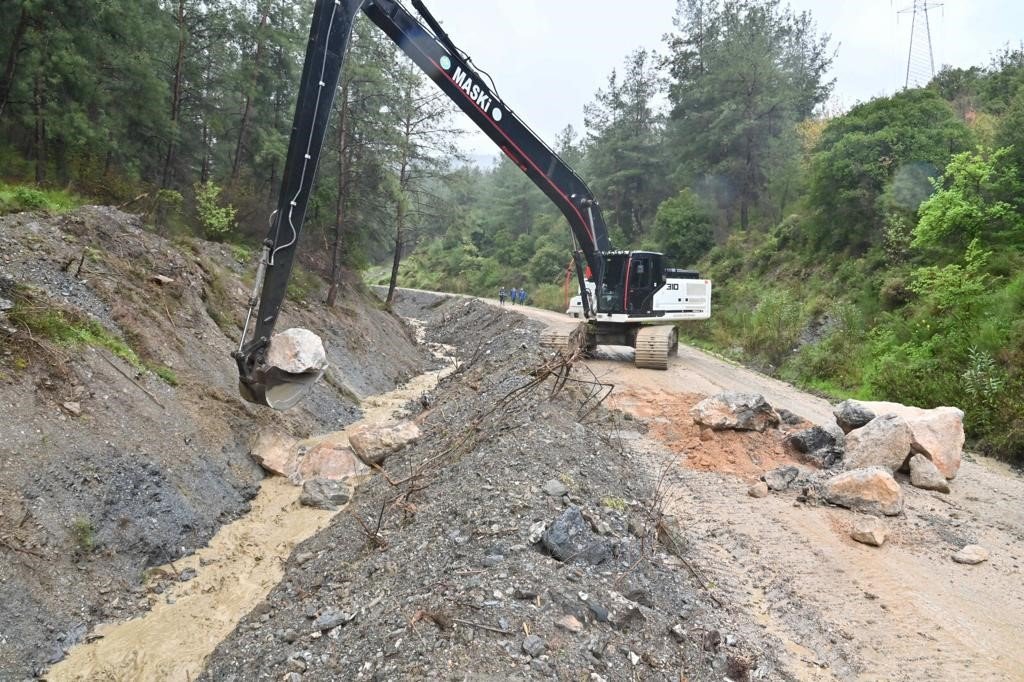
(218, 222)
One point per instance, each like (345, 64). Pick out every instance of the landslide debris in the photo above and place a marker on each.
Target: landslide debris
(518, 538)
(123, 443)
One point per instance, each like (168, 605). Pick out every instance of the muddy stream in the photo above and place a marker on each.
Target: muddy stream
(234, 573)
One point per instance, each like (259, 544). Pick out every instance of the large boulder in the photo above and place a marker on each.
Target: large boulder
(938, 433)
(374, 443)
(924, 474)
(739, 411)
(297, 351)
(323, 493)
(884, 441)
(872, 490)
(328, 457)
(275, 452)
(818, 445)
(851, 414)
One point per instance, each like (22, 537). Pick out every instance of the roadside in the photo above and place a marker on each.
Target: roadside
(843, 610)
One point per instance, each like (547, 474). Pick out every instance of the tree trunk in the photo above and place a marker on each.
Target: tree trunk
(165, 177)
(399, 227)
(38, 103)
(247, 108)
(12, 61)
(339, 209)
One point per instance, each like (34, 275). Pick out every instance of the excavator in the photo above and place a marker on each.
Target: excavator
(626, 298)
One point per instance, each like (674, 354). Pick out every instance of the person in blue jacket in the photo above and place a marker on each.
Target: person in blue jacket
(522, 296)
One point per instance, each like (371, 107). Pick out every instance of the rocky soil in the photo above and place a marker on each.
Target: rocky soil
(521, 538)
(107, 468)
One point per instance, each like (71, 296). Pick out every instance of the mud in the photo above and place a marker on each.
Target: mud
(234, 573)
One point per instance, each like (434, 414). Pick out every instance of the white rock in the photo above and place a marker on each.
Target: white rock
(884, 441)
(297, 351)
(374, 443)
(924, 474)
(740, 411)
(971, 554)
(758, 490)
(872, 490)
(938, 433)
(870, 530)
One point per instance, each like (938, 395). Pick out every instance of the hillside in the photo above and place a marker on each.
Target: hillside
(124, 444)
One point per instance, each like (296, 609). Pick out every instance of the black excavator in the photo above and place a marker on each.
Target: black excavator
(626, 298)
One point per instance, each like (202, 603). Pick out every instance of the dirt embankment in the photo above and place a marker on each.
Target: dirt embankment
(123, 444)
(433, 572)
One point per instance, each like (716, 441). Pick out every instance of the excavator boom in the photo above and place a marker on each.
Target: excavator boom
(450, 69)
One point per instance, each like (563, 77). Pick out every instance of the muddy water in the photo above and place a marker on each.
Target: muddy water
(234, 573)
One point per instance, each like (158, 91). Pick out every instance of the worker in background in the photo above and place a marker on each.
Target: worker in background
(515, 295)
(522, 296)
(501, 295)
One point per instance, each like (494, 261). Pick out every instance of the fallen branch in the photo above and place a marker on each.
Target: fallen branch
(132, 379)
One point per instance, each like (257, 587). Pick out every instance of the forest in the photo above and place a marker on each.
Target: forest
(873, 252)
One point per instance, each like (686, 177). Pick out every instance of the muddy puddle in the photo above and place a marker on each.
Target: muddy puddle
(234, 573)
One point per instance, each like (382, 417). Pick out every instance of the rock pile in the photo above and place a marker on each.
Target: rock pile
(870, 443)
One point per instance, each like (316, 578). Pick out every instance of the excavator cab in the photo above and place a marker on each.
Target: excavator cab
(630, 281)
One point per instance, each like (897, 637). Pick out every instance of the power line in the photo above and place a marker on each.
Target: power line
(920, 57)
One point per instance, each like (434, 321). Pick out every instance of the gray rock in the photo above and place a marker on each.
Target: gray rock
(870, 530)
(601, 614)
(872, 490)
(534, 645)
(187, 574)
(809, 440)
(851, 415)
(779, 479)
(924, 474)
(323, 493)
(678, 632)
(884, 442)
(818, 445)
(971, 554)
(331, 618)
(790, 418)
(569, 538)
(555, 488)
(5, 304)
(492, 560)
(758, 490)
(739, 411)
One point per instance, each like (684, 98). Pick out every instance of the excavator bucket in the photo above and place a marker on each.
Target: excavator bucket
(278, 389)
(278, 375)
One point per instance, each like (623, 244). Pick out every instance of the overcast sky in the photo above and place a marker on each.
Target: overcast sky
(549, 57)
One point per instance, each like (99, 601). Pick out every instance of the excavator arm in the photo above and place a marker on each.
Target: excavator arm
(450, 69)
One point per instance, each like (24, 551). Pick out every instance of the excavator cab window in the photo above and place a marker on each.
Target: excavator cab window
(611, 289)
(645, 277)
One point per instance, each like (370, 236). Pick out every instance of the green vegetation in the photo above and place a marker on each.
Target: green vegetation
(69, 329)
(83, 535)
(875, 252)
(218, 222)
(303, 284)
(15, 198)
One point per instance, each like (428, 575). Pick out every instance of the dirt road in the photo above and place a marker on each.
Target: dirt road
(840, 610)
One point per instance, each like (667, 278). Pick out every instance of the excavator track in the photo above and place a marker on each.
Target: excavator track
(564, 339)
(654, 345)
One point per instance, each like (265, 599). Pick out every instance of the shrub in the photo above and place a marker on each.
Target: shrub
(218, 222)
